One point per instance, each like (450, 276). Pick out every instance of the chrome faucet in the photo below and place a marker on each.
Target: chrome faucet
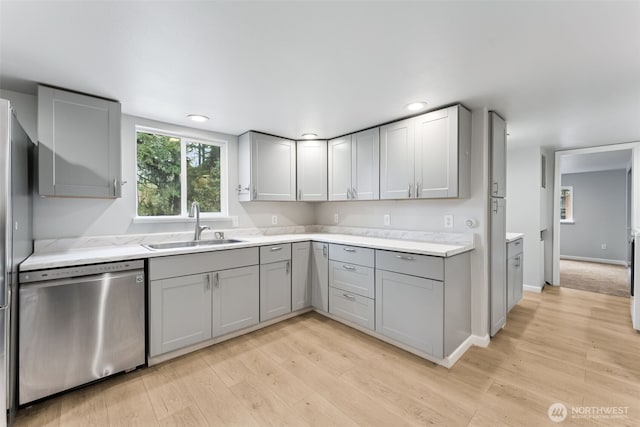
(195, 211)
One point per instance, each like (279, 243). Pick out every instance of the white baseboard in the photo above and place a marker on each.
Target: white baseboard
(533, 288)
(600, 260)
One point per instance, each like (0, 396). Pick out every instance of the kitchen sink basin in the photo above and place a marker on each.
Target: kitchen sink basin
(190, 244)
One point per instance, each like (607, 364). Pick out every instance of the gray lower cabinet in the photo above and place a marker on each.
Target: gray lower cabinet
(409, 309)
(301, 275)
(180, 312)
(236, 299)
(423, 301)
(320, 276)
(275, 281)
(352, 307)
(514, 273)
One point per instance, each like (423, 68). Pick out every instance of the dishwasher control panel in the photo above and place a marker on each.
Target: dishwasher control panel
(79, 271)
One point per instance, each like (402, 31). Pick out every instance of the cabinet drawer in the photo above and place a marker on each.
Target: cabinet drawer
(514, 248)
(352, 278)
(275, 253)
(204, 262)
(354, 308)
(352, 254)
(416, 265)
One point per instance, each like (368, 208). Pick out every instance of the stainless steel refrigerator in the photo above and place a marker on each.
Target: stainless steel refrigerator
(498, 246)
(16, 238)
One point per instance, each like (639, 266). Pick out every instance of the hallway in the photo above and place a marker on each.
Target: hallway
(608, 279)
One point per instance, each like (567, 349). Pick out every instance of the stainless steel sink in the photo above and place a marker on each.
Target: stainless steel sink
(190, 244)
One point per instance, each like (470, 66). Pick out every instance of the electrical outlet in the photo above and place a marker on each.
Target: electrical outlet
(234, 220)
(387, 219)
(274, 220)
(604, 246)
(336, 218)
(448, 221)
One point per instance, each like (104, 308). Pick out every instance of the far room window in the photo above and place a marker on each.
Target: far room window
(174, 170)
(566, 204)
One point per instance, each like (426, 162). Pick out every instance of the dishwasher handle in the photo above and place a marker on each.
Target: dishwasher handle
(138, 274)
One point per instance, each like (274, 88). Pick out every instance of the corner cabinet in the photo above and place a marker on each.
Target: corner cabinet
(353, 166)
(312, 170)
(427, 156)
(266, 168)
(320, 276)
(79, 153)
(301, 275)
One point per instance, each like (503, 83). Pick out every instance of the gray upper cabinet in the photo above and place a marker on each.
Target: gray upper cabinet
(498, 147)
(266, 168)
(427, 156)
(354, 166)
(312, 170)
(78, 145)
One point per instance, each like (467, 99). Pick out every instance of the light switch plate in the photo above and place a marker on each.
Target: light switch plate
(387, 219)
(274, 220)
(336, 218)
(448, 221)
(234, 221)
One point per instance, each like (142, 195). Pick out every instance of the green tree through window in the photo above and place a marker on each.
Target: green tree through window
(159, 181)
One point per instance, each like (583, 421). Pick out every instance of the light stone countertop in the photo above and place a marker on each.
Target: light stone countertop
(512, 237)
(93, 255)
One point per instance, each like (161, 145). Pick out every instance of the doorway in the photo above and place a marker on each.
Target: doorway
(593, 212)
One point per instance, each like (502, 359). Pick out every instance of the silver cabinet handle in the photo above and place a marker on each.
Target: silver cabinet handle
(495, 188)
(354, 194)
(300, 194)
(276, 248)
(207, 286)
(115, 182)
(288, 266)
(216, 283)
(517, 242)
(410, 188)
(518, 262)
(349, 267)
(255, 193)
(349, 297)
(417, 190)
(348, 194)
(324, 251)
(495, 206)
(348, 249)
(405, 257)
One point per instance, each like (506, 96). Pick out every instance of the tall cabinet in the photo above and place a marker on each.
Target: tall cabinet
(78, 145)
(266, 167)
(353, 166)
(427, 156)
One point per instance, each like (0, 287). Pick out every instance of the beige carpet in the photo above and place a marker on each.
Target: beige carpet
(594, 277)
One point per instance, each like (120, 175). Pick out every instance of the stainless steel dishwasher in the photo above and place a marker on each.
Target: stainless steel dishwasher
(79, 324)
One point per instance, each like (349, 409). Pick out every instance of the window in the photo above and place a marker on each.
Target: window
(173, 171)
(566, 204)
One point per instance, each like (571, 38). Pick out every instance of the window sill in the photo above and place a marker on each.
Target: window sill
(179, 219)
(567, 221)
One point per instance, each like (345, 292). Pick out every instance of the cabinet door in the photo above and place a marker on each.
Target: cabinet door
(339, 168)
(498, 271)
(180, 312)
(275, 289)
(410, 310)
(436, 154)
(320, 276)
(396, 160)
(273, 168)
(514, 280)
(498, 148)
(236, 299)
(301, 275)
(79, 145)
(312, 170)
(365, 164)
(244, 168)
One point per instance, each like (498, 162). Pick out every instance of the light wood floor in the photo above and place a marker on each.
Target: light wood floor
(563, 345)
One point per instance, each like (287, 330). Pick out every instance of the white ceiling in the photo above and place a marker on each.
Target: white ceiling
(564, 74)
(593, 162)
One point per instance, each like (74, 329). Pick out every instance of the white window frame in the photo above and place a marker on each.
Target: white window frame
(185, 138)
(572, 219)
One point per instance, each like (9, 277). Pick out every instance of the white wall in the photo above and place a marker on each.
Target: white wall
(524, 207)
(67, 217)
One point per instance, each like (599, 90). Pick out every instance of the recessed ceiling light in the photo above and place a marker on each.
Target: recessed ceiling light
(309, 135)
(415, 106)
(198, 117)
